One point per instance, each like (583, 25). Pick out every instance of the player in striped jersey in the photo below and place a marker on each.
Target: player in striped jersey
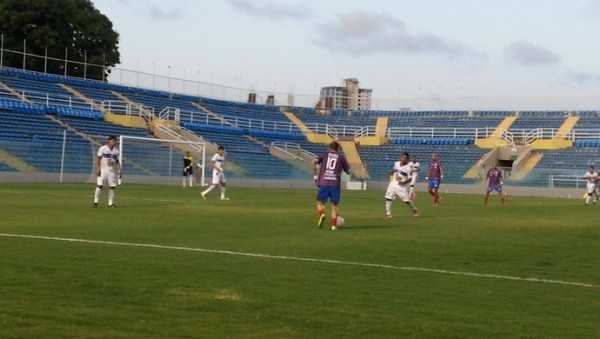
(108, 170)
(218, 174)
(435, 174)
(327, 175)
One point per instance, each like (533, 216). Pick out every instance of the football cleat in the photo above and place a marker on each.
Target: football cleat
(203, 196)
(95, 205)
(333, 228)
(224, 199)
(112, 206)
(416, 213)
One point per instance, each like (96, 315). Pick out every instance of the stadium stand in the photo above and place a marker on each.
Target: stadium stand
(38, 141)
(242, 110)
(26, 128)
(253, 157)
(6, 168)
(539, 119)
(456, 159)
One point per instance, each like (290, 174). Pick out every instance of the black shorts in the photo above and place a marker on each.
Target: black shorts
(188, 171)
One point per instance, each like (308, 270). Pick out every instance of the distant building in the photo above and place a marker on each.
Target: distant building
(348, 96)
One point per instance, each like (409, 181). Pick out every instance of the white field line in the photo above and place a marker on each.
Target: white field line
(303, 259)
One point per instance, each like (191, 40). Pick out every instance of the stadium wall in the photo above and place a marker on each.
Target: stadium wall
(50, 178)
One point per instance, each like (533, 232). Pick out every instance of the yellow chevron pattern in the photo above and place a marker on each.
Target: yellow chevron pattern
(310, 135)
(380, 137)
(495, 139)
(354, 160)
(560, 140)
(16, 163)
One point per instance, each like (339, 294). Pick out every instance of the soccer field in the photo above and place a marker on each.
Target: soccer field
(257, 267)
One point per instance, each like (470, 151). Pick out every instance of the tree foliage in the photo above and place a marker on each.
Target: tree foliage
(60, 27)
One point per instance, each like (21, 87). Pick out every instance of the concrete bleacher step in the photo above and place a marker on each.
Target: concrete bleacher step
(310, 135)
(297, 158)
(354, 160)
(211, 113)
(14, 92)
(16, 163)
(476, 172)
(527, 166)
(567, 126)
(126, 121)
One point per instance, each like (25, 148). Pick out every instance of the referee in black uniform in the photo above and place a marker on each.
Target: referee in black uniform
(188, 170)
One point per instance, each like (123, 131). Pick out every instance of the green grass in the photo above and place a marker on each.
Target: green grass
(53, 289)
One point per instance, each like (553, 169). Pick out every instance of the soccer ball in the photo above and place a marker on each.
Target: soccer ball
(340, 222)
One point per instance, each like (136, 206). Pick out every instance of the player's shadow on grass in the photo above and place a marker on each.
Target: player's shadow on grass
(372, 227)
(389, 224)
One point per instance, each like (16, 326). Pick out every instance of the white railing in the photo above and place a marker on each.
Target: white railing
(124, 108)
(566, 181)
(53, 99)
(293, 149)
(201, 117)
(514, 135)
(170, 113)
(508, 136)
(442, 132)
(47, 99)
(173, 113)
(584, 133)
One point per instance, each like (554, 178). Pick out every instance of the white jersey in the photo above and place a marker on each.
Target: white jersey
(108, 157)
(404, 171)
(218, 175)
(591, 179)
(218, 161)
(416, 167)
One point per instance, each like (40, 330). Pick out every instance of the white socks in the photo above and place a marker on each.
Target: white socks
(210, 188)
(97, 195)
(187, 181)
(388, 207)
(111, 197)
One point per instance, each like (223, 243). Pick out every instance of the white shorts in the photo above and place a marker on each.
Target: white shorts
(396, 191)
(107, 176)
(218, 178)
(591, 188)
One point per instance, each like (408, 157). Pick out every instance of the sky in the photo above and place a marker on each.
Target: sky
(426, 53)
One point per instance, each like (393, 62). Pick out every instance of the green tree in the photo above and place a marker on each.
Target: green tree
(56, 25)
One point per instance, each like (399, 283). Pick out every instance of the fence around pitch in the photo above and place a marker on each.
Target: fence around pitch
(566, 181)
